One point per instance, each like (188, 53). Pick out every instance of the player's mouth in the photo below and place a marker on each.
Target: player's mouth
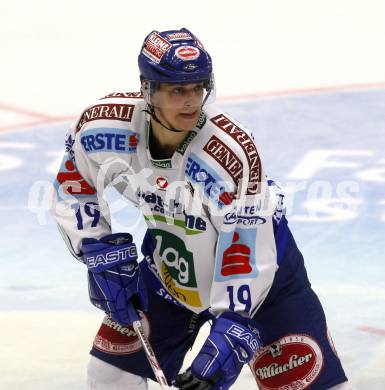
(190, 115)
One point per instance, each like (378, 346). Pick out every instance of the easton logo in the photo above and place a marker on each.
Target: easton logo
(248, 146)
(155, 47)
(225, 157)
(121, 112)
(242, 334)
(117, 256)
(187, 53)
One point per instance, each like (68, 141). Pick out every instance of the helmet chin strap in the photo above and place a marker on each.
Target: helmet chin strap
(156, 119)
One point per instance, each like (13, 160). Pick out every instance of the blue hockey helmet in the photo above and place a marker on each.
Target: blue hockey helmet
(174, 56)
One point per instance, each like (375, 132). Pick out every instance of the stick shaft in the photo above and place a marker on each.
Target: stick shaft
(159, 375)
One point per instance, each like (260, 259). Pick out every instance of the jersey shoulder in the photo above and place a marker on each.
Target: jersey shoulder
(226, 142)
(228, 147)
(229, 129)
(118, 109)
(111, 125)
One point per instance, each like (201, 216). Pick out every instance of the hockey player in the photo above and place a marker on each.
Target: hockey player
(218, 247)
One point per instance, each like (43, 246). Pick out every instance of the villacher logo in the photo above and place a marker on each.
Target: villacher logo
(296, 365)
(116, 339)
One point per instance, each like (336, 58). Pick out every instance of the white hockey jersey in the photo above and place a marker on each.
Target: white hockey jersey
(208, 208)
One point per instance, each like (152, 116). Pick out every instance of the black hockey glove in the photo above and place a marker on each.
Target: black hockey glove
(187, 381)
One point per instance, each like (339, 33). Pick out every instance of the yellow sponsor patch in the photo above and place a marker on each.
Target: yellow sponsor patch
(188, 297)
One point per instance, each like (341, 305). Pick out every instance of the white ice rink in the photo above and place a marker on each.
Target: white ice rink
(309, 70)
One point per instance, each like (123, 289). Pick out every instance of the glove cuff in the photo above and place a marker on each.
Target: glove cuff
(241, 330)
(109, 251)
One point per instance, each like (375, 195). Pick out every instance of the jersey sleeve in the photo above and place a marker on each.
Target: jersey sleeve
(246, 251)
(98, 148)
(78, 205)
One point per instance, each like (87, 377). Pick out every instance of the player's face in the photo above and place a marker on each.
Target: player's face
(179, 105)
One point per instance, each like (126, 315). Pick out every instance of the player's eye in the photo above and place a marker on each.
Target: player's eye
(177, 91)
(198, 88)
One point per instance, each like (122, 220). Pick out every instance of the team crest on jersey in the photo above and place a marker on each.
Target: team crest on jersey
(236, 255)
(292, 362)
(177, 270)
(214, 188)
(116, 339)
(109, 140)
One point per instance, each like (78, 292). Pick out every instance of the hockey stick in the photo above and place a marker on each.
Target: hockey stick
(159, 375)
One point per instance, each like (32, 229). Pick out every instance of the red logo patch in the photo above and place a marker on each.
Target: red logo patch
(226, 198)
(121, 112)
(248, 146)
(161, 182)
(114, 338)
(187, 53)
(72, 181)
(155, 47)
(291, 363)
(133, 141)
(225, 157)
(236, 258)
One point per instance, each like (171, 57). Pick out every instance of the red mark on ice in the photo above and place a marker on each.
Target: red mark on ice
(373, 330)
